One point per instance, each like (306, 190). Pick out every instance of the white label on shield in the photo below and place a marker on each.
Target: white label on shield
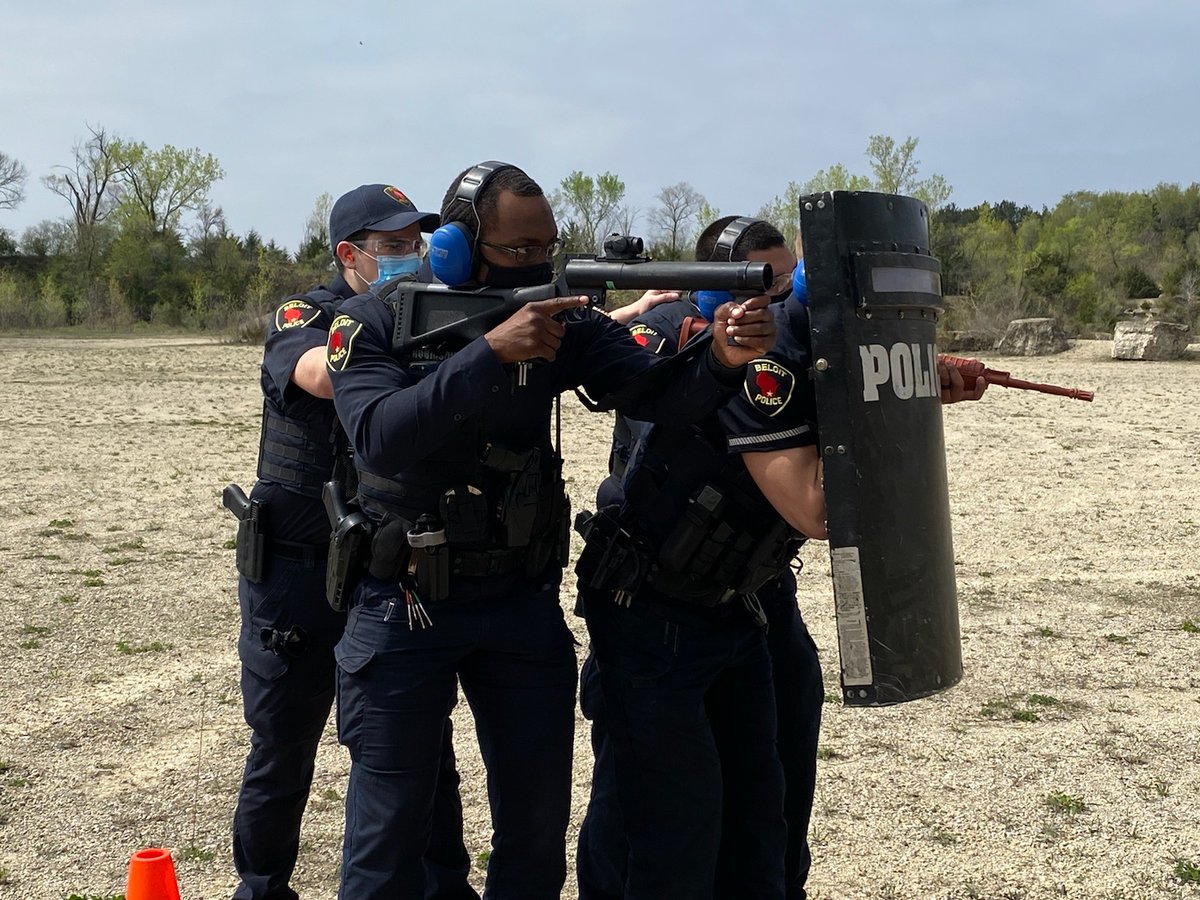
(851, 616)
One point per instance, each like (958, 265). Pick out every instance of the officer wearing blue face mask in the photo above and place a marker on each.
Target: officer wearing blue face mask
(288, 629)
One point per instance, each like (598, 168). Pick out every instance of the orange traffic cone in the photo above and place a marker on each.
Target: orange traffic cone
(152, 876)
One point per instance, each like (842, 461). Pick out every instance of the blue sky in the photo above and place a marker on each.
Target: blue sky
(1012, 100)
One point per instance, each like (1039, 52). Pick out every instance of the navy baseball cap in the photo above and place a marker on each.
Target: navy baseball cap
(375, 207)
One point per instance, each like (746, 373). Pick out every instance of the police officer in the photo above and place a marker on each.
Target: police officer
(771, 425)
(796, 670)
(288, 629)
(459, 472)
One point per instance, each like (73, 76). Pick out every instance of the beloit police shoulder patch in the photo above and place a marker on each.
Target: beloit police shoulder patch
(295, 314)
(341, 338)
(647, 337)
(769, 385)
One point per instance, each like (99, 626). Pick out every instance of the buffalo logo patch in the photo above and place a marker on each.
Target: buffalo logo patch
(769, 385)
(647, 337)
(295, 314)
(341, 338)
(397, 195)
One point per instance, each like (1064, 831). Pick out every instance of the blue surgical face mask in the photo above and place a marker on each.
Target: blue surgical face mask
(394, 266)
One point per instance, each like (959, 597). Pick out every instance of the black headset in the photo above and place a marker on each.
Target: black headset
(453, 247)
(729, 237)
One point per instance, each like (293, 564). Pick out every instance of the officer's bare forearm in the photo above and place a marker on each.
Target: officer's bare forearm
(312, 375)
(791, 481)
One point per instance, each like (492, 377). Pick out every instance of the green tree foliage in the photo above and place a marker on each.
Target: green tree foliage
(587, 209)
(161, 185)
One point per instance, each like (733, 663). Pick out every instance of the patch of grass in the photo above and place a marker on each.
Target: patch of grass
(152, 647)
(93, 582)
(96, 897)
(1042, 700)
(76, 536)
(50, 532)
(136, 544)
(482, 858)
(88, 573)
(197, 853)
(832, 698)
(331, 795)
(1187, 871)
(1048, 632)
(1025, 715)
(1190, 626)
(5, 765)
(940, 835)
(61, 523)
(31, 644)
(114, 527)
(68, 598)
(985, 574)
(827, 753)
(41, 630)
(230, 544)
(50, 556)
(121, 561)
(1065, 803)
(5, 876)
(95, 678)
(1117, 638)
(18, 782)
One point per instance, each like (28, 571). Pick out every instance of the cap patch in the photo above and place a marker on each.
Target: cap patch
(647, 337)
(295, 314)
(397, 195)
(769, 385)
(341, 338)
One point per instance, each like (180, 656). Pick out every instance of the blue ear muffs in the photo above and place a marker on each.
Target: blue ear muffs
(451, 253)
(452, 247)
(708, 301)
(800, 282)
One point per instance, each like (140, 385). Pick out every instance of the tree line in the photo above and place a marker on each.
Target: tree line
(142, 242)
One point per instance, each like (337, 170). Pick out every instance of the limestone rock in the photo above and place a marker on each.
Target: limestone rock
(1149, 338)
(965, 342)
(1033, 337)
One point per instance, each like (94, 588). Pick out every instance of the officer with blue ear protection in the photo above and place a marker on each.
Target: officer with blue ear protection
(460, 474)
(602, 863)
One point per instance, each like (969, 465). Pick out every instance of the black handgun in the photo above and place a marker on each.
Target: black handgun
(251, 540)
(351, 533)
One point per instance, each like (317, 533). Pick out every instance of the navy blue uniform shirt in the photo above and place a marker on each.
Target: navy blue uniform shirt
(427, 421)
(296, 327)
(776, 408)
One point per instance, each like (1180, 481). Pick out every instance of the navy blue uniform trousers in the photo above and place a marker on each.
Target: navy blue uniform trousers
(286, 699)
(505, 640)
(690, 743)
(799, 694)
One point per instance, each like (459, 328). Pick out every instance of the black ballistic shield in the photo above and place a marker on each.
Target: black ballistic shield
(874, 298)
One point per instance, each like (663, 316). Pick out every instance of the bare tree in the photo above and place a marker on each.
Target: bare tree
(679, 205)
(90, 185)
(316, 229)
(12, 182)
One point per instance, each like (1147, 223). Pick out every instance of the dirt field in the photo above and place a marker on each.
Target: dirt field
(1064, 765)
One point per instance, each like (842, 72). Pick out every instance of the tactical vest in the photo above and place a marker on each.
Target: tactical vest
(300, 448)
(502, 509)
(693, 526)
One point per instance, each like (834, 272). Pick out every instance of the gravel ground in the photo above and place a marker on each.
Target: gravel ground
(1064, 765)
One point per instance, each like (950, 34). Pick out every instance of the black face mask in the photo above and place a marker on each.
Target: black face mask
(519, 276)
